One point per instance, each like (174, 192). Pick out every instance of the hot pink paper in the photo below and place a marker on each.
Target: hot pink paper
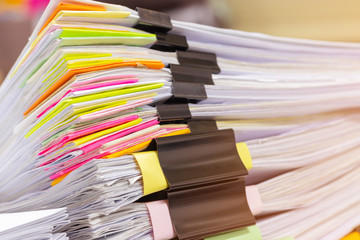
(97, 144)
(71, 136)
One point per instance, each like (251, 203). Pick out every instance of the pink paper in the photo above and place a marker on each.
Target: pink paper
(87, 131)
(105, 84)
(117, 109)
(105, 78)
(142, 139)
(160, 220)
(97, 144)
(254, 199)
(133, 142)
(63, 172)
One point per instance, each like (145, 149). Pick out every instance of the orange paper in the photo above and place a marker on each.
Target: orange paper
(66, 6)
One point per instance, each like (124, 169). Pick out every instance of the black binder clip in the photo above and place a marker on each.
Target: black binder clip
(182, 73)
(168, 42)
(173, 112)
(199, 60)
(202, 126)
(189, 92)
(153, 21)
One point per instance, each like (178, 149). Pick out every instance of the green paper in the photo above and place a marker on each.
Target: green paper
(286, 238)
(74, 32)
(247, 233)
(68, 102)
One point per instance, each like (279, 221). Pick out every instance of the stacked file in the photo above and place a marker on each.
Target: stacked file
(124, 116)
(43, 224)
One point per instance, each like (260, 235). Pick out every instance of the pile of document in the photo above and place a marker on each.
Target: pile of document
(109, 113)
(44, 224)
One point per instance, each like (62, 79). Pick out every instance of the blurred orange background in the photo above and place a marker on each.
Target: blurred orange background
(322, 19)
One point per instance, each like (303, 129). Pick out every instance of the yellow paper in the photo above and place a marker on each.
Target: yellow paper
(352, 236)
(153, 177)
(244, 154)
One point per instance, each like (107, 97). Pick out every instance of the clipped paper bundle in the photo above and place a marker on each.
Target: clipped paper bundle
(128, 118)
(44, 224)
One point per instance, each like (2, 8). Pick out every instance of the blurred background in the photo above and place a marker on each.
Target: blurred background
(332, 20)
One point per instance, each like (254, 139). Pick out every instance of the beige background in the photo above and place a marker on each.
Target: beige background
(333, 20)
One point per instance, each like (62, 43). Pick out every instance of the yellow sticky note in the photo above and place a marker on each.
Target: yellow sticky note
(153, 177)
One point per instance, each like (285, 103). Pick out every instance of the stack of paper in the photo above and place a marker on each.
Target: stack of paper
(43, 224)
(85, 91)
(329, 219)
